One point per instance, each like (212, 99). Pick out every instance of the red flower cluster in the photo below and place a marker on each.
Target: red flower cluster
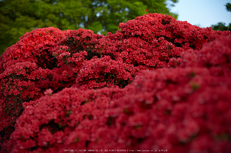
(150, 41)
(104, 72)
(78, 90)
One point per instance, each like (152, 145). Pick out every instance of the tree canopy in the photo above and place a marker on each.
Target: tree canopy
(220, 25)
(102, 16)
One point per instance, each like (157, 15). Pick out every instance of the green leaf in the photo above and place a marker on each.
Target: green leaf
(76, 140)
(194, 86)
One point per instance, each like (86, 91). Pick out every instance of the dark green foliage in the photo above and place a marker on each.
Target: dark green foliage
(228, 7)
(221, 26)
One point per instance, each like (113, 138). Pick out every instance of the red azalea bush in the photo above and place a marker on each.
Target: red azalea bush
(37, 62)
(66, 89)
(150, 41)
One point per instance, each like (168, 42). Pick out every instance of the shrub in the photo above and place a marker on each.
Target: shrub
(157, 83)
(169, 108)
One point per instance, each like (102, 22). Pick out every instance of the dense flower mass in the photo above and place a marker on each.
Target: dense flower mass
(156, 84)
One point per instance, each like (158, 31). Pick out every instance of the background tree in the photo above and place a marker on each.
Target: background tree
(220, 25)
(20, 16)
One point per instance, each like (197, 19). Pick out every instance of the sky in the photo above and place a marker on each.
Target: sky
(203, 13)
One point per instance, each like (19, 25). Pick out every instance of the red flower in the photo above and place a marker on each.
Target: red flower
(157, 83)
(48, 92)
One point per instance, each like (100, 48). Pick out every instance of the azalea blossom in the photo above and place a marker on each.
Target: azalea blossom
(157, 83)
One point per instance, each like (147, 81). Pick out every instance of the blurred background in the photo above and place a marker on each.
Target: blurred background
(101, 16)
